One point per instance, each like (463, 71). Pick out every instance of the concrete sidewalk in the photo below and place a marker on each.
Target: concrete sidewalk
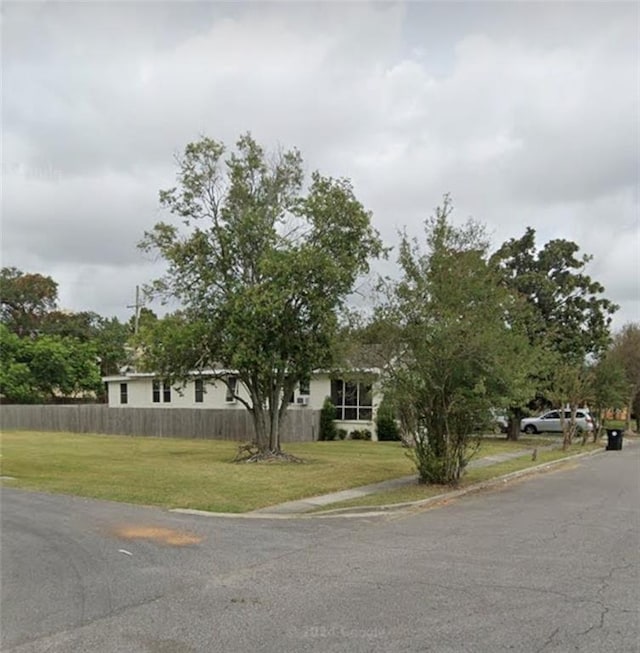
(312, 503)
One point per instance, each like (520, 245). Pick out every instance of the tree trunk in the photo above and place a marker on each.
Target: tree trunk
(513, 428)
(629, 409)
(597, 430)
(267, 420)
(566, 431)
(274, 429)
(260, 428)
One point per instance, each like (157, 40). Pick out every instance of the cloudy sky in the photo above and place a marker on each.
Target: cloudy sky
(528, 114)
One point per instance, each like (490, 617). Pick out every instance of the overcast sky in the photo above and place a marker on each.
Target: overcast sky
(528, 114)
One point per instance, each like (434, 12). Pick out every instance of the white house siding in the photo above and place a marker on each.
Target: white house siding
(140, 395)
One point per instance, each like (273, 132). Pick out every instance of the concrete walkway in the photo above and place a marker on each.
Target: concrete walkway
(312, 503)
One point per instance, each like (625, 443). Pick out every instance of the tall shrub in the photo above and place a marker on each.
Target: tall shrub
(386, 422)
(328, 414)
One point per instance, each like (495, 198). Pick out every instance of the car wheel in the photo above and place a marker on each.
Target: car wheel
(530, 429)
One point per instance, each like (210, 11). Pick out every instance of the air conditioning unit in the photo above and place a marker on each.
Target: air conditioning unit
(303, 401)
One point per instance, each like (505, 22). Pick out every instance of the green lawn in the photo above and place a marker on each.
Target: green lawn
(418, 492)
(618, 424)
(199, 473)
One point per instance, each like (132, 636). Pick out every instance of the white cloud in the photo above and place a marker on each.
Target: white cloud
(527, 120)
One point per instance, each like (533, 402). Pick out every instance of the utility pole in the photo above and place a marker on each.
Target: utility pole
(137, 306)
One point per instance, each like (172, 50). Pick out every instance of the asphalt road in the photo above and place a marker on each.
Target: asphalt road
(550, 563)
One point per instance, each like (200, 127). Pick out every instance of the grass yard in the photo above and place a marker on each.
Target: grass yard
(618, 424)
(199, 473)
(417, 492)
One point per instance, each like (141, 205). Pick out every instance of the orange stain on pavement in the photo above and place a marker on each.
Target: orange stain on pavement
(157, 534)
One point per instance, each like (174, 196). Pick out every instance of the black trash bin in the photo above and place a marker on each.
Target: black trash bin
(614, 439)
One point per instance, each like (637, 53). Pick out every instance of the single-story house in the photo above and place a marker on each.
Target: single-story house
(356, 397)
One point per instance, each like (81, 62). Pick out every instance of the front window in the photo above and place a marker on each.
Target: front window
(156, 392)
(166, 392)
(124, 393)
(305, 384)
(352, 399)
(232, 383)
(199, 391)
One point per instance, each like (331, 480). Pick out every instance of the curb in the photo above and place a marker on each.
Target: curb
(234, 515)
(373, 511)
(453, 494)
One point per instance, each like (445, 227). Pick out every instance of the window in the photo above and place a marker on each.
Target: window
(199, 387)
(352, 399)
(124, 393)
(163, 386)
(304, 386)
(232, 384)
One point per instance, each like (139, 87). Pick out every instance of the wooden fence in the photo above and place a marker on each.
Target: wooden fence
(212, 424)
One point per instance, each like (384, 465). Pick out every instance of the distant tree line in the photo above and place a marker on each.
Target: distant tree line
(47, 354)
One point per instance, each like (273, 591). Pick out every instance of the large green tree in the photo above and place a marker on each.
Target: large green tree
(111, 339)
(82, 325)
(45, 368)
(25, 299)
(50, 352)
(172, 345)
(260, 264)
(108, 336)
(571, 383)
(610, 390)
(457, 356)
(625, 356)
(567, 317)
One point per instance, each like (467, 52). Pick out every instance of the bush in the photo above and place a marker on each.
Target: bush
(328, 414)
(442, 457)
(342, 433)
(364, 434)
(386, 423)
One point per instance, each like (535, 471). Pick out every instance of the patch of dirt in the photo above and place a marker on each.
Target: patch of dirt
(250, 453)
(157, 534)
(273, 457)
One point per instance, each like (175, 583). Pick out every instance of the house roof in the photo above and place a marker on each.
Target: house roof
(361, 358)
(128, 375)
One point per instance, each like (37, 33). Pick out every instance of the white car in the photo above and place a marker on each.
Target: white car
(550, 422)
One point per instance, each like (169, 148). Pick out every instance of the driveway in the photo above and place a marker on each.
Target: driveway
(549, 563)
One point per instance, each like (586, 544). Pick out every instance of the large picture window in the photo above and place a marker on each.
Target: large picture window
(353, 400)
